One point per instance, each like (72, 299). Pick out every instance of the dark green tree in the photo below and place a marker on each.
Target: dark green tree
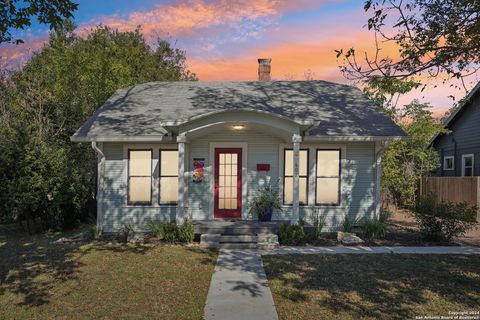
(45, 177)
(16, 14)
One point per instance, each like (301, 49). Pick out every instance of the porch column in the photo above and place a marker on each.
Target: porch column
(296, 139)
(181, 215)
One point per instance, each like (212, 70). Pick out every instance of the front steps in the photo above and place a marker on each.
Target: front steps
(238, 234)
(239, 241)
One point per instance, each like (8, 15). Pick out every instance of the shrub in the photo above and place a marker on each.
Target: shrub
(170, 231)
(374, 228)
(155, 228)
(186, 231)
(92, 232)
(291, 234)
(318, 220)
(445, 220)
(385, 215)
(128, 229)
(266, 199)
(349, 224)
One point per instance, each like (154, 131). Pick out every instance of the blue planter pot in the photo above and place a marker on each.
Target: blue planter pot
(267, 216)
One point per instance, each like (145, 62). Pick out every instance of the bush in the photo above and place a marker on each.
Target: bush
(170, 231)
(292, 234)
(445, 220)
(155, 228)
(374, 228)
(186, 231)
(318, 220)
(349, 224)
(92, 232)
(128, 230)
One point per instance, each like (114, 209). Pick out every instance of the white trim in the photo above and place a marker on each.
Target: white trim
(444, 167)
(298, 121)
(166, 138)
(100, 183)
(146, 139)
(463, 163)
(379, 150)
(211, 175)
(336, 138)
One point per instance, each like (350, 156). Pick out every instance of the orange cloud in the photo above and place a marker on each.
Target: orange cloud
(188, 17)
(14, 56)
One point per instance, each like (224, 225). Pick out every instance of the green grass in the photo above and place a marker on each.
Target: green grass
(43, 280)
(373, 286)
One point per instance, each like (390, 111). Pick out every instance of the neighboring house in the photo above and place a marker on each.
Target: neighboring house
(460, 149)
(168, 150)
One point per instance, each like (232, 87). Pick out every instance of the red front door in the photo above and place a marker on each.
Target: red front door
(228, 183)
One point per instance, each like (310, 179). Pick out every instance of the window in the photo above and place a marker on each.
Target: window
(139, 176)
(448, 162)
(288, 176)
(467, 165)
(168, 176)
(328, 177)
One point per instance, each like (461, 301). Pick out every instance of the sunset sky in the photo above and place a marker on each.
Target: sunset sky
(223, 38)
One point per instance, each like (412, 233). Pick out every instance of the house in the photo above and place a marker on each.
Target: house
(460, 149)
(169, 150)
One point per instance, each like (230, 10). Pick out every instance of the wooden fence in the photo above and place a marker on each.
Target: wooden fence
(456, 189)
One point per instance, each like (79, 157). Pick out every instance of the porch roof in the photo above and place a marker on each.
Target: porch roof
(149, 111)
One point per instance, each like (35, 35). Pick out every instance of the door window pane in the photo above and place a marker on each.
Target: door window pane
(227, 181)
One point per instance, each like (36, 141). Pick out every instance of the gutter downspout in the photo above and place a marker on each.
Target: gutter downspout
(100, 175)
(379, 150)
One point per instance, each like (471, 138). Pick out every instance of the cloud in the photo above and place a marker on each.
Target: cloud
(188, 18)
(14, 56)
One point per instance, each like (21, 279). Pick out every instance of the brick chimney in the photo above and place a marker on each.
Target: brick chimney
(264, 69)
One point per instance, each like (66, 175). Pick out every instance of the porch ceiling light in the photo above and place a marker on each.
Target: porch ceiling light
(238, 127)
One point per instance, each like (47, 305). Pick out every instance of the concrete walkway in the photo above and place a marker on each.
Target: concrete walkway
(239, 288)
(360, 249)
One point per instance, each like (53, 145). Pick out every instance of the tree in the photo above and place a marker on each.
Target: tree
(433, 38)
(16, 14)
(45, 177)
(406, 161)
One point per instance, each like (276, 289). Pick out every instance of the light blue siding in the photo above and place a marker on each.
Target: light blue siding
(115, 210)
(358, 181)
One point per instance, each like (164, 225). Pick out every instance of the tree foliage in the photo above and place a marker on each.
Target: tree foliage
(15, 14)
(406, 161)
(433, 37)
(44, 176)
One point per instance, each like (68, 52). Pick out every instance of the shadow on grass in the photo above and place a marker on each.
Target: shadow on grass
(31, 266)
(378, 286)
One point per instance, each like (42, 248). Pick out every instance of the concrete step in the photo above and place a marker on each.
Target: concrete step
(242, 241)
(237, 227)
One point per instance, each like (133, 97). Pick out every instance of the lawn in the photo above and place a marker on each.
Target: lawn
(373, 286)
(43, 280)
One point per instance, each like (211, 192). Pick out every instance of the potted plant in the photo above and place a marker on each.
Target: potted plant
(266, 199)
